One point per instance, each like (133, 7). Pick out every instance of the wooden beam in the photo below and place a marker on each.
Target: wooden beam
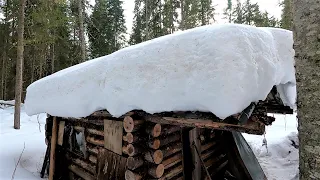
(195, 142)
(250, 127)
(61, 132)
(53, 148)
(81, 173)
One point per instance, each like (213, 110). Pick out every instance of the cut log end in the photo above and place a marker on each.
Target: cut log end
(156, 171)
(129, 175)
(128, 124)
(154, 144)
(156, 130)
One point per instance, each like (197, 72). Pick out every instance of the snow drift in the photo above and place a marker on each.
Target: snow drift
(217, 68)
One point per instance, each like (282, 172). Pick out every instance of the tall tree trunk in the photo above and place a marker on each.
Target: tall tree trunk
(19, 68)
(306, 20)
(5, 52)
(81, 31)
(182, 15)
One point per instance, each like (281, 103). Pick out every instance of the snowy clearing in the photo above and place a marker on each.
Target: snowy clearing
(279, 163)
(216, 68)
(12, 143)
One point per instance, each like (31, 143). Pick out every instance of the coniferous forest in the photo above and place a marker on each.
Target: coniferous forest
(60, 33)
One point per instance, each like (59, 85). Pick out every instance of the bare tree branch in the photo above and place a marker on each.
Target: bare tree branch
(14, 172)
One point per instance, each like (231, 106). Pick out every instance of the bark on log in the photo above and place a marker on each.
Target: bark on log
(155, 157)
(93, 150)
(93, 159)
(85, 165)
(106, 114)
(168, 129)
(169, 150)
(172, 173)
(169, 139)
(131, 138)
(156, 171)
(207, 146)
(250, 127)
(129, 175)
(95, 132)
(213, 160)
(134, 162)
(172, 161)
(79, 172)
(154, 130)
(208, 154)
(95, 141)
(131, 125)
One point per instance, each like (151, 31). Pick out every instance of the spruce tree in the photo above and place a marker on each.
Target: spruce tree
(238, 14)
(136, 36)
(286, 16)
(106, 28)
(206, 14)
(227, 12)
(170, 15)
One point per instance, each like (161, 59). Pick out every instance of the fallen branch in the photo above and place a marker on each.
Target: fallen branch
(39, 123)
(14, 172)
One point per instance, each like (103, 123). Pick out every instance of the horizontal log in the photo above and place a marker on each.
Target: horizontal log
(207, 146)
(213, 160)
(169, 150)
(172, 173)
(95, 132)
(208, 154)
(250, 127)
(84, 121)
(93, 159)
(156, 171)
(93, 149)
(169, 139)
(95, 141)
(104, 113)
(129, 175)
(131, 125)
(155, 157)
(172, 161)
(134, 162)
(81, 173)
(85, 165)
(168, 129)
(218, 169)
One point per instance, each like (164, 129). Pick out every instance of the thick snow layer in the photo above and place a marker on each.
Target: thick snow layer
(217, 68)
(31, 136)
(278, 156)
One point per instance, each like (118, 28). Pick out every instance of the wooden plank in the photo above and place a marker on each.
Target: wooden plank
(61, 132)
(113, 132)
(195, 141)
(53, 148)
(110, 166)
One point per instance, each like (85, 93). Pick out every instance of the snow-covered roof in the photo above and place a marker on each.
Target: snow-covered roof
(216, 68)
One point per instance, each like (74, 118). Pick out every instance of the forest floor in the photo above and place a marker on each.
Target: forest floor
(22, 151)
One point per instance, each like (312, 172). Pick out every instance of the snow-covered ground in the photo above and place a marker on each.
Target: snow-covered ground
(12, 143)
(279, 161)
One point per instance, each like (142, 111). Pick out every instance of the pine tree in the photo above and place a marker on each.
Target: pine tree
(136, 36)
(286, 16)
(238, 14)
(206, 12)
(170, 16)
(227, 12)
(106, 28)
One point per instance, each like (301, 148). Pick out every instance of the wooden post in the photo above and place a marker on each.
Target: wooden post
(53, 148)
(195, 140)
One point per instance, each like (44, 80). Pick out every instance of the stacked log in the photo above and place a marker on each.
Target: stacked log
(133, 147)
(212, 153)
(164, 153)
